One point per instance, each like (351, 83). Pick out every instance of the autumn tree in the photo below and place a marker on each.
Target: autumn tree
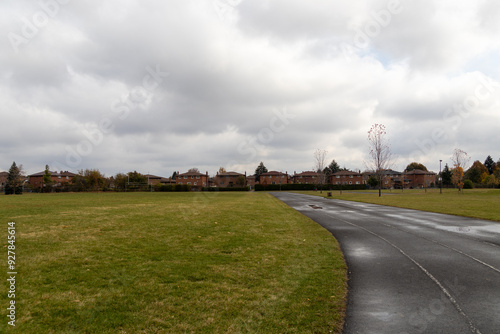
(460, 161)
(222, 170)
(15, 180)
(476, 171)
(89, 180)
(121, 181)
(415, 165)
(319, 166)
(380, 153)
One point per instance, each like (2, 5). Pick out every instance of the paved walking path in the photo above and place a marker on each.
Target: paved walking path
(412, 271)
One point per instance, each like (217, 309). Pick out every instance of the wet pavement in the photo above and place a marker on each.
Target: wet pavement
(412, 271)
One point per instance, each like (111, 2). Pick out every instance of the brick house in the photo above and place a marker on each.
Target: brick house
(230, 180)
(153, 179)
(196, 180)
(251, 181)
(307, 177)
(273, 177)
(346, 177)
(167, 180)
(418, 178)
(3, 180)
(58, 179)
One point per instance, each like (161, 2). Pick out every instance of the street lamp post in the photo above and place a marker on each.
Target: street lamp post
(440, 178)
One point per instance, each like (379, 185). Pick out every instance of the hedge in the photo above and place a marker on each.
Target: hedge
(173, 187)
(294, 186)
(226, 189)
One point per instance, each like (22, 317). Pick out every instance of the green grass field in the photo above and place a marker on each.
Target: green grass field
(476, 203)
(170, 263)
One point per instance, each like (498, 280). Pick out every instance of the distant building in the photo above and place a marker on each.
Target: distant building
(153, 179)
(196, 180)
(308, 177)
(345, 177)
(273, 177)
(230, 180)
(58, 179)
(3, 180)
(251, 181)
(418, 178)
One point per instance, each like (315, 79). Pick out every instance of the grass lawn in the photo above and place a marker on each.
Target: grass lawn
(170, 263)
(476, 203)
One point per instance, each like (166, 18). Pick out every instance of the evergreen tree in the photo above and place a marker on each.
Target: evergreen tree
(490, 164)
(446, 176)
(47, 179)
(333, 167)
(261, 169)
(14, 183)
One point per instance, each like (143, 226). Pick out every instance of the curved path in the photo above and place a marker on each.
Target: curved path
(412, 271)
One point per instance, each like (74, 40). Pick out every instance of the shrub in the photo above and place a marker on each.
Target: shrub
(468, 184)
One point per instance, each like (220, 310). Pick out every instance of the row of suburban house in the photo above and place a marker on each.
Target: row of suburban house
(391, 179)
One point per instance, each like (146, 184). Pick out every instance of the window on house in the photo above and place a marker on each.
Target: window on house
(273, 182)
(59, 177)
(357, 182)
(350, 182)
(197, 176)
(337, 176)
(189, 183)
(185, 177)
(350, 176)
(196, 183)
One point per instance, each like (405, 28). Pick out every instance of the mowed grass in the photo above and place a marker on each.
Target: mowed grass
(171, 263)
(475, 203)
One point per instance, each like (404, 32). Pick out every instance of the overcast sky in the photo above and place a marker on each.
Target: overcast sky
(162, 86)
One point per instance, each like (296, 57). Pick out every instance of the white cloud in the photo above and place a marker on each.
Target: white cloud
(228, 76)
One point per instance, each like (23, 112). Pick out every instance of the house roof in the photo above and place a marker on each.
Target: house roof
(420, 172)
(230, 174)
(307, 173)
(390, 172)
(192, 174)
(346, 172)
(153, 176)
(62, 173)
(273, 172)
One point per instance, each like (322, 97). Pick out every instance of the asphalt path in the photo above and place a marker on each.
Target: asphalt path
(412, 271)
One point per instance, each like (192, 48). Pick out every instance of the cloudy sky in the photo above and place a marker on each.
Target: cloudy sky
(160, 86)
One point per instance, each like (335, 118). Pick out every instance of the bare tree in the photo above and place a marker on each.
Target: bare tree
(193, 170)
(460, 161)
(320, 165)
(380, 153)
